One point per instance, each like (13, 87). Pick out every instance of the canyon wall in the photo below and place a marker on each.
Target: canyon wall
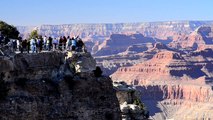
(170, 81)
(96, 34)
(100, 31)
(170, 63)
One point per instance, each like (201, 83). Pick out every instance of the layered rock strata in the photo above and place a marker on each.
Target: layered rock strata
(171, 81)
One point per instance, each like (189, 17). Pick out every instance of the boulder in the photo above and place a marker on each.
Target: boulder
(82, 62)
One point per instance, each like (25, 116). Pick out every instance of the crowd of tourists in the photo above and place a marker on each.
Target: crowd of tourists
(44, 43)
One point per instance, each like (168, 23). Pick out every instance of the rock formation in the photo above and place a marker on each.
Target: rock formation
(160, 30)
(82, 62)
(170, 63)
(199, 39)
(133, 55)
(170, 80)
(43, 86)
(119, 43)
(130, 104)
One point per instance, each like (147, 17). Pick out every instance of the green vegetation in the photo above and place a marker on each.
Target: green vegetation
(34, 34)
(142, 107)
(8, 30)
(139, 103)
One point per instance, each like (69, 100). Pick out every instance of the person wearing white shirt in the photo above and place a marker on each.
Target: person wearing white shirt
(33, 45)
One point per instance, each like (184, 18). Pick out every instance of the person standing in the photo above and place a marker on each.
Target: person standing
(33, 45)
(45, 42)
(73, 44)
(40, 43)
(80, 45)
(49, 43)
(28, 46)
(18, 44)
(55, 43)
(24, 45)
(69, 43)
(60, 43)
(64, 43)
(14, 45)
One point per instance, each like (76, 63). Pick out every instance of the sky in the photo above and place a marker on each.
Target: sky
(54, 12)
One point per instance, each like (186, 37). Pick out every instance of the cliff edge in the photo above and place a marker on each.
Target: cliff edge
(46, 86)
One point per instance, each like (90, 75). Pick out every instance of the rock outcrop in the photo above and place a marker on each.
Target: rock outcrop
(43, 86)
(82, 62)
(130, 104)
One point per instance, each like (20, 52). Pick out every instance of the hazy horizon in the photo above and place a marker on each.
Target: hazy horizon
(117, 22)
(54, 12)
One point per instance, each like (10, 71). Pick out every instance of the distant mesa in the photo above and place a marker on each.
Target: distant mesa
(199, 39)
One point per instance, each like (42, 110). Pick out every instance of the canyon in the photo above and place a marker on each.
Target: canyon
(170, 82)
(169, 63)
(95, 34)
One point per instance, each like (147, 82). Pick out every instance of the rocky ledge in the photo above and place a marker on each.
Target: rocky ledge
(48, 86)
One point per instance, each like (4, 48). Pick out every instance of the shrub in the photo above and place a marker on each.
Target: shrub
(8, 30)
(139, 103)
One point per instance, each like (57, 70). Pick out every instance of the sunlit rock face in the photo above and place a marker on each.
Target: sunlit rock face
(173, 81)
(82, 62)
(199, 39)
(130, 103)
